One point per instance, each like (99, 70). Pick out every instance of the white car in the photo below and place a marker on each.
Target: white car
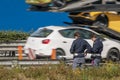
(45, 39)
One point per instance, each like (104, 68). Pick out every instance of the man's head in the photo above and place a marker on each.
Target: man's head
(93, 37)
(76, 34)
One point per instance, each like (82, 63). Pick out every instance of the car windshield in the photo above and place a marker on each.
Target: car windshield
(42, 32)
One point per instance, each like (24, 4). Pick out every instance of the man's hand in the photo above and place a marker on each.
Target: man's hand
(85, 54)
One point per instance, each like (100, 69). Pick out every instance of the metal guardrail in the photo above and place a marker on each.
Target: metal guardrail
(9, 56)
(11, 48)
(27, 63)
(15, 63)
(9, 45)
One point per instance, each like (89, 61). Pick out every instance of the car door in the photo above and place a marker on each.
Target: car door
(68, 37)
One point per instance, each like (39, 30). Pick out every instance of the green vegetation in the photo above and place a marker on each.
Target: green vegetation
(61, 72)
(6, 36)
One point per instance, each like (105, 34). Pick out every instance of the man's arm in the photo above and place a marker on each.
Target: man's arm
(88, 47)
(72, 49)
(95, 48)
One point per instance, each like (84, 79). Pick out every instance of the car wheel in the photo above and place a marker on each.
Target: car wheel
(113, 55)
(59, 54)
(101, 20)
(59, 3)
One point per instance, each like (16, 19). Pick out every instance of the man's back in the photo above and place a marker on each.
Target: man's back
(97, 46)
(79, 46)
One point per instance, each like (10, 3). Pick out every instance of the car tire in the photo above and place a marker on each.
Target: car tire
(59, 3)
(113, 55)
(59, 53)
(101, 21)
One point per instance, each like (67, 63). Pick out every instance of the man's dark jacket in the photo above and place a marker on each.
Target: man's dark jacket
(97, 46)
(79, 46)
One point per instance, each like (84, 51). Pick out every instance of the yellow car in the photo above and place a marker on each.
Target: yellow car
(38, 2)
(49, 3)
(106, 19)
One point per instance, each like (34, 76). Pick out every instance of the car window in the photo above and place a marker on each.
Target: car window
(68, 33)
(85, 34)
(102, 37)
(41, 32)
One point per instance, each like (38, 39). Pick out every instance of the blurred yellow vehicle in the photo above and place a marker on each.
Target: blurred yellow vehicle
(49, 3)
(106, 19)
(38, 2)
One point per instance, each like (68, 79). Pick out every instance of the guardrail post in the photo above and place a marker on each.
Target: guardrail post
(20, 57)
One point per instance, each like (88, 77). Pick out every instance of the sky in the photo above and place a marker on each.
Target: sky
(15, 16)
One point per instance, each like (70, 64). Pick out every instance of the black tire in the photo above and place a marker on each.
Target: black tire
(59, 3)
(101, 20)
(59, 53)
(118, 0)
(113, 55)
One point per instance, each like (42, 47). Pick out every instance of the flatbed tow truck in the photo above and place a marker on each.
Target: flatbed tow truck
(107, 23)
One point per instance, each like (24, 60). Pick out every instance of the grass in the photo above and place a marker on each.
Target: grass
(109, 71)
